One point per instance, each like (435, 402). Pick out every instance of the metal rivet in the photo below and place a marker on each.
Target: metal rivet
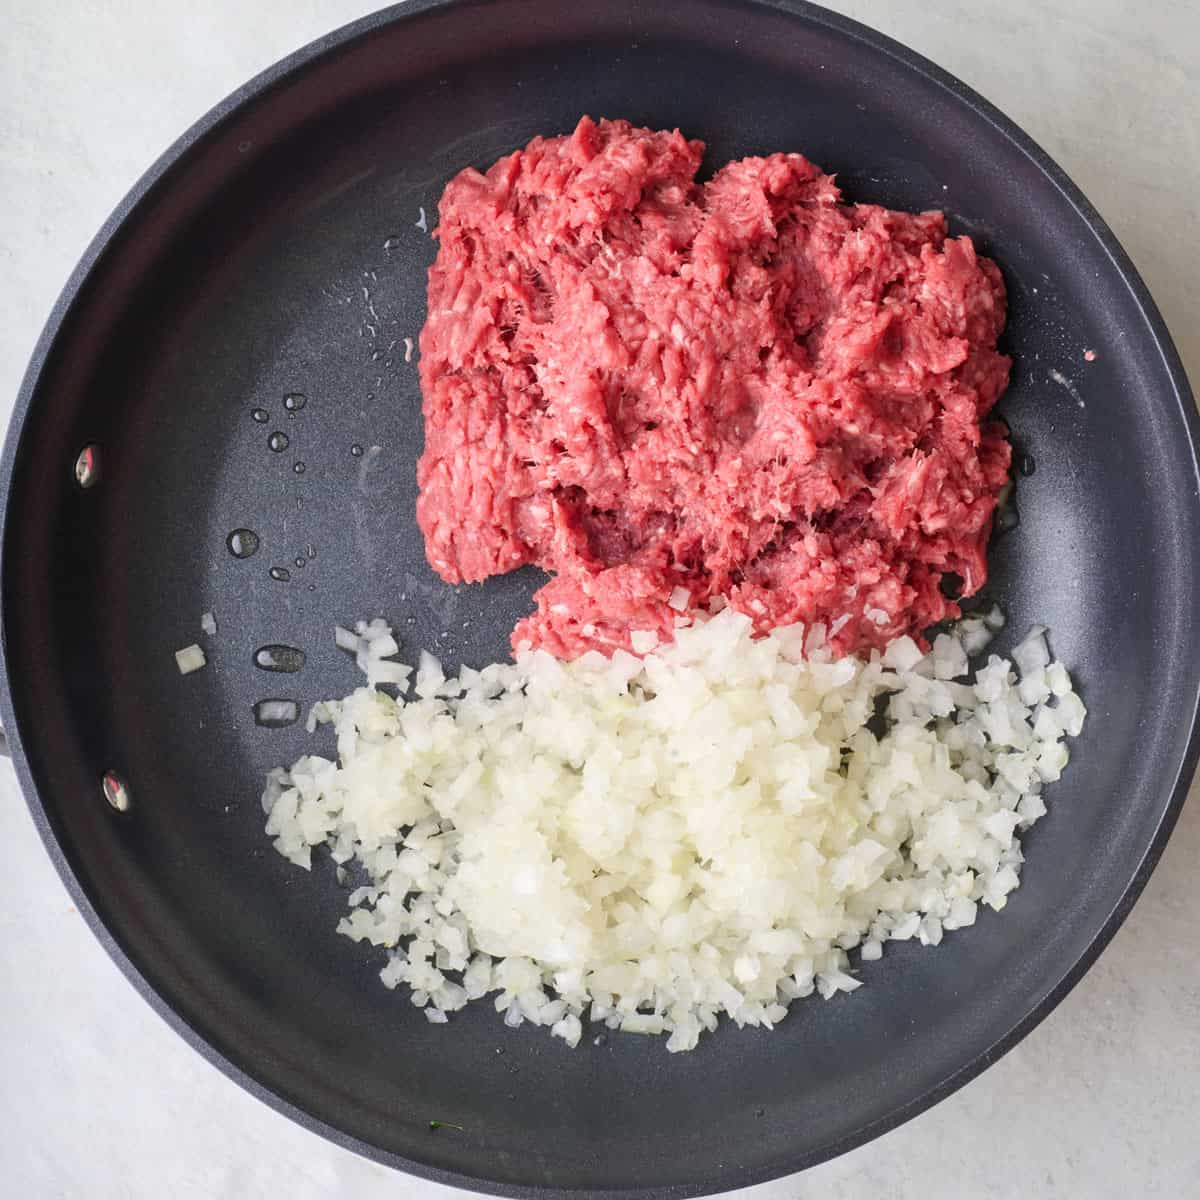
(115, 791)
(87, 467)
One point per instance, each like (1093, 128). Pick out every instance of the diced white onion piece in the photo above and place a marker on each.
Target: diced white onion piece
(190, 658)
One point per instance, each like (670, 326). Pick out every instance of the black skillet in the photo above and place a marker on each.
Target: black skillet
(274, 250)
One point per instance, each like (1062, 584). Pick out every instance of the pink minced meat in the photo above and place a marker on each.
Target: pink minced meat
(744, 388)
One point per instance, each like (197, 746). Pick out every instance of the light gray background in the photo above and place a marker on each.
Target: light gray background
(99, 1099)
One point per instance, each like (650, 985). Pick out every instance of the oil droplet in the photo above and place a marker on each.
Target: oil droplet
(356, 450)
(365, 468)
(276, 714)
(242, 543)
(298, 468)
(280, 574)
(87, 467)
(260, 415)
(301, 561)
(1025, 464)
(278, 441)
(115, 791)
(294, 401)
(286, 660)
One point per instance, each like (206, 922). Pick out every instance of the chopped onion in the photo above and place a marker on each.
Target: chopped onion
(1031, 653)
(643, 641)
(190, 658)
(655, 842)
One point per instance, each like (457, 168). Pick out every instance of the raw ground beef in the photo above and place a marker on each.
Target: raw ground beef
(744, 388)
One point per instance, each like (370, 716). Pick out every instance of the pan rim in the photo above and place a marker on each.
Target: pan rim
(127, 210)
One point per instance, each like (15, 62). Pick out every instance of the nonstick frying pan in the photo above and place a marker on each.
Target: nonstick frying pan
(274, 251)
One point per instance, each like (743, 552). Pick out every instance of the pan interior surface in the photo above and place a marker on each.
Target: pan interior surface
(282, 254)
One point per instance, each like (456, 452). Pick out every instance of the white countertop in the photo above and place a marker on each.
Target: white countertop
(99, 1099)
